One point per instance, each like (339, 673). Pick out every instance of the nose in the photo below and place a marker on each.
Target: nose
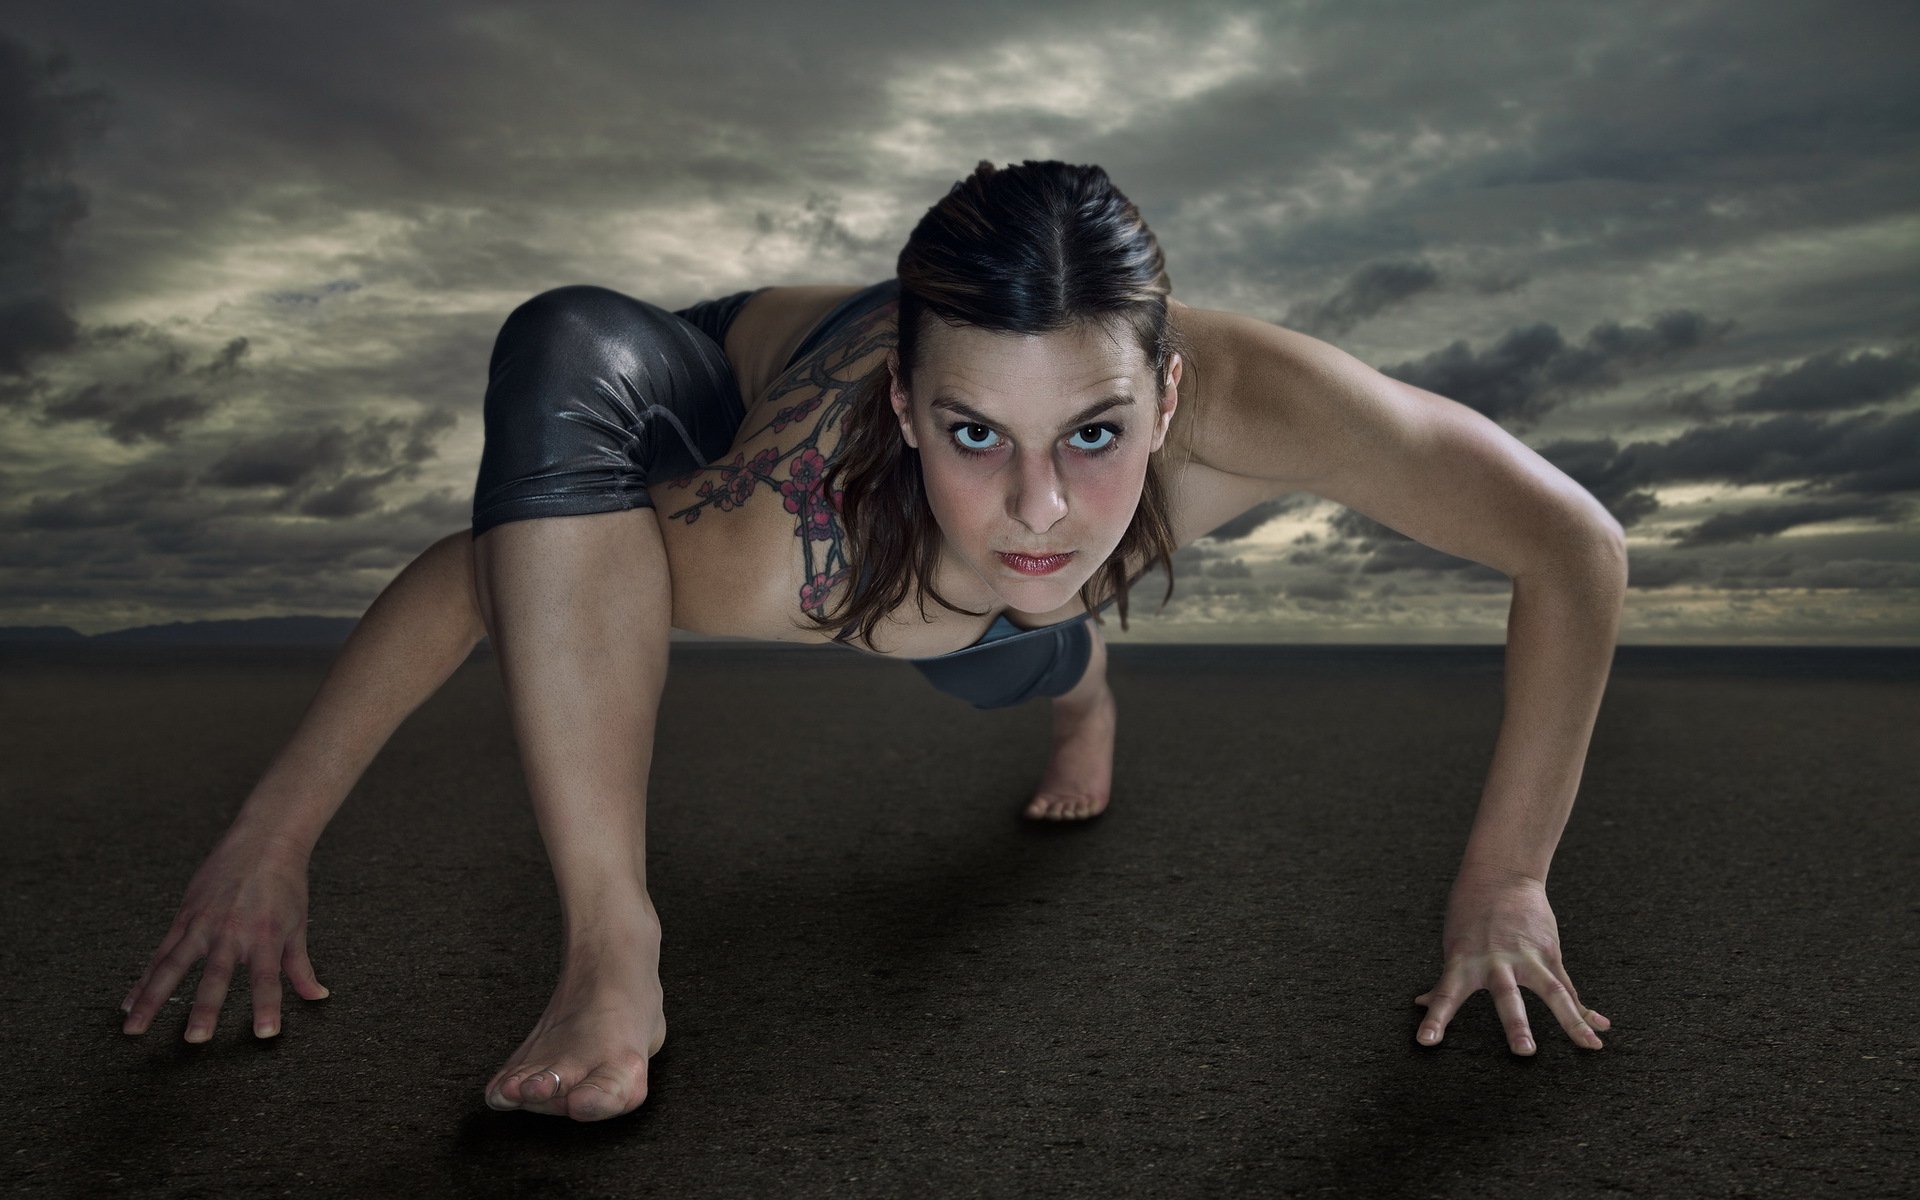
(1039, 497)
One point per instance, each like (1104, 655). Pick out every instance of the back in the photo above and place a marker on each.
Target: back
(733, 530)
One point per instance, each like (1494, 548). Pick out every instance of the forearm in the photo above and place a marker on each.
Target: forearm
(419, 629)
(1561, 629)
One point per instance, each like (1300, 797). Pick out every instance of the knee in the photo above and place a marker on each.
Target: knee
(571, 320)
(554, 339)
(571, 302)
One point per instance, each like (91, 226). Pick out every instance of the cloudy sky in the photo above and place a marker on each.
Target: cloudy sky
(252, 260)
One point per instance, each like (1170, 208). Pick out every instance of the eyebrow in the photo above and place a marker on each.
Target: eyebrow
(1078, 419)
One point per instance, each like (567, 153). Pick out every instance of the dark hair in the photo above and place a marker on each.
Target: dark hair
(1032, 249)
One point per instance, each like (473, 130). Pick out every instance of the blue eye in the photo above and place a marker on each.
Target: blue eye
(965, 447)
(955, 429)
(1108, 445)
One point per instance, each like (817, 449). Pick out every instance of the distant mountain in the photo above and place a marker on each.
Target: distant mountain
(254, 631)
(40, 633)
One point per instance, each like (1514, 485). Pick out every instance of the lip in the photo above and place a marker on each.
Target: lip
(1036, 565)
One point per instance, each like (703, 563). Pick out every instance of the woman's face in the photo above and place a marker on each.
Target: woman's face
(1023, 454)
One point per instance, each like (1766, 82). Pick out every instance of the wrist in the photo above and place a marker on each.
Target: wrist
(1483, 871)
(264, 832)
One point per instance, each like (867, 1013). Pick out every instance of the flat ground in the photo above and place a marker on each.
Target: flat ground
(880, 981)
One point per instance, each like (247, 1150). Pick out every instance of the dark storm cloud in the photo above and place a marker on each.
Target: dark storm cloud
(1382, 287)
(295, 459)
(284, 460)
(1872, 453)
(1874, 561)
(1227, 568)
(351, 496)
(129, 420)
(1369, 291)
(1318, 589)
(41, 124)
(1852, 459)
(140, 493)
(1764, 520)
(1531, 369)
(330, 473)
(1828, 381)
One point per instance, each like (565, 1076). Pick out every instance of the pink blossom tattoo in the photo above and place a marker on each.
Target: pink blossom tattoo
(727, 485)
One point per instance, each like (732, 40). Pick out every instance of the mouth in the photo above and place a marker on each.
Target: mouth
(1044, 564)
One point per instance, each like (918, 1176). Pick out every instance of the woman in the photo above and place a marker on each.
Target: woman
(1015, 428)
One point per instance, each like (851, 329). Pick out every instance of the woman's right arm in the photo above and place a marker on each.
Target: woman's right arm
(248, 901)
(414, 636)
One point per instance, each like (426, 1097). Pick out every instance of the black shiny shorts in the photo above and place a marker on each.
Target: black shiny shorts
(591, 393)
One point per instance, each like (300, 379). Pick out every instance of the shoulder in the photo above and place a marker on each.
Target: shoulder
(1258, 387)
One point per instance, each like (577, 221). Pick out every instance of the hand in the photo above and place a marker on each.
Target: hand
(1499, 934)
(246, 904)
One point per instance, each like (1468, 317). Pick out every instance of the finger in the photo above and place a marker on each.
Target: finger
(265, 982)
(299, 968)
(1595, 1019)
(1442, 1002)
(1551, 982)
(175, 932)
(162, 979)
(1512, 1008)
(212, 993)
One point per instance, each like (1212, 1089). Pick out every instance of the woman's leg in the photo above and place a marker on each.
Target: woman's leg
(577, 609)
(590, 394)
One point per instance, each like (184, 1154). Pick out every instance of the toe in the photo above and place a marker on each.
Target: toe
(603, 1094)
(537, 1087)
(496, 1094)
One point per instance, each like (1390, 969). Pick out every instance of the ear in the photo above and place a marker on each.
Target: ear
(897, 397)
(1169, 400)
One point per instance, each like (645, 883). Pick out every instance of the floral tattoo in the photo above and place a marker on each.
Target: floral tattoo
(802, 488)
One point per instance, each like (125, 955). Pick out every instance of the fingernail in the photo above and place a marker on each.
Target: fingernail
(1429, 1036)
(1526, 1046)
(325, 992)
(264, 1029)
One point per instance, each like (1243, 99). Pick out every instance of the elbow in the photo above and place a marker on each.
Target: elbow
(1593, 551)
(1615, 543)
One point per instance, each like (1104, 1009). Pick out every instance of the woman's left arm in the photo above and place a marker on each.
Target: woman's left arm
(1297, 411)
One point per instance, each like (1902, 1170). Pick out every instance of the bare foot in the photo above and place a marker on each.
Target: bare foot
(604, 1022)
(1080, 773)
